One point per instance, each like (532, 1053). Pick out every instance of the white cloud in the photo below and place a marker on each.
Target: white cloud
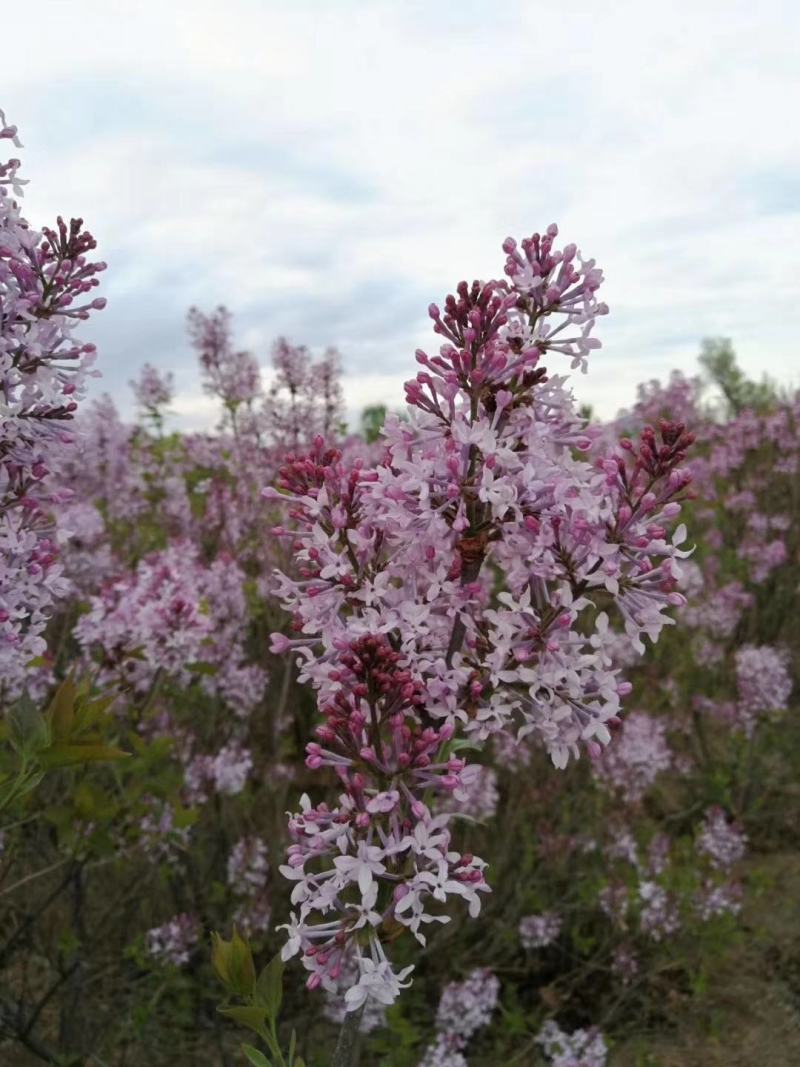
(326, 170)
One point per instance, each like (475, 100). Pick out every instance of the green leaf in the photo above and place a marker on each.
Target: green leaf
(292, 1048)
(201, 667)
(73, 755)
(250, 1015)
(89, 712)
(233, 962)
(258, 1059)
(61, 713)
(269, 987)
(29, 731)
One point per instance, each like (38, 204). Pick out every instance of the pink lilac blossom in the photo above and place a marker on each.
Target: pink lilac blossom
(305, 397)
(172, 613)
(639, 754)
(614, 900)
(173, 942)
(248, 867)
(153, 390)
(83, 547)
(763, 682)
(658, 852)
(625, 964)
(677, 401)
(719, 611)
(714, 900)
(231, 375)
(230, 769)
(158, 835)
(46, 282)
(763, 558)
(464, 1008)
(622, 846)
(442, 1054)
(226, 773)
(658, 914)
(480, 794)
(248, 871)
(394, 622)
(581, 1048)
(539, 931)
(724, 843)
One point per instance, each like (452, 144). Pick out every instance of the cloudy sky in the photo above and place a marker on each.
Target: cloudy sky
(326, 169)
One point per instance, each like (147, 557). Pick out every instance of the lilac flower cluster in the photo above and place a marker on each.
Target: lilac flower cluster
(46, 282)
(479, 794)
(581, 1048)
(723, 842)
(153, 390)
(763, 682)
(248, 872)
(172, 943)
(539, 931)
(170, 615)
(639, 754)
(395, 625)
(464, 1008)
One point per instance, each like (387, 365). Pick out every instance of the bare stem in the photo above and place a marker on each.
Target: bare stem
(347, 1045)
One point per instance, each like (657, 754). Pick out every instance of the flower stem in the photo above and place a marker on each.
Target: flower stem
(347, 1045)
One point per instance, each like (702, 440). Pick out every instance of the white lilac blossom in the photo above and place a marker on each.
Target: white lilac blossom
(394, 621)
(46, 282)
(581, 1048)
(539, 931)
(335, 1009)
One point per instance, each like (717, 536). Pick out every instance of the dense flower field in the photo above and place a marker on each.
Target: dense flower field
(524, 683)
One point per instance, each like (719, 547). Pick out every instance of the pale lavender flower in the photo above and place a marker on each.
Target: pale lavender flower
(478, 796)
(633, 762)
(539, 931)
(581, 1048)
(248, 868)
(713, 900)
(763, 681)
(173, 942)
(658, 917)
(722, 842)
(467, 1006)
(152, 389)
(625, 964)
